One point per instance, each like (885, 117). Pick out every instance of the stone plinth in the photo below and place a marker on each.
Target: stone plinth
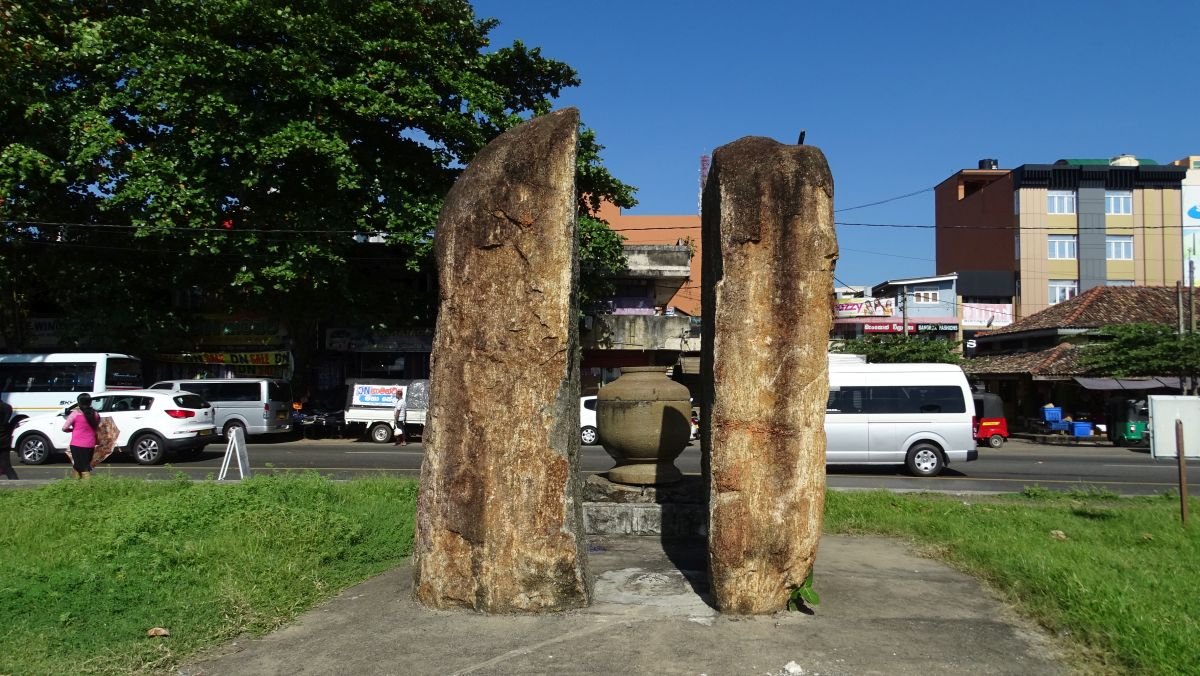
(499, 519)
(769, 252)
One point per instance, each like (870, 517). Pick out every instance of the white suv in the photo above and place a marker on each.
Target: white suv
(151, 424)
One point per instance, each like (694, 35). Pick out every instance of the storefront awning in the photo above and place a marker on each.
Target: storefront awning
(1128, 383)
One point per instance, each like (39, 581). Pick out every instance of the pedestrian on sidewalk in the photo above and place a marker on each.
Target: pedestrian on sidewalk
(401, 415)
(6, 427)
(82, 423)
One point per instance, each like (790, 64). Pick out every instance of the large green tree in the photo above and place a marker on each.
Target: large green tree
(888, 349)
(247, 149)
(1142, 349)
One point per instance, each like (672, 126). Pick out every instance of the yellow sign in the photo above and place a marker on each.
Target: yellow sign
(280, 358)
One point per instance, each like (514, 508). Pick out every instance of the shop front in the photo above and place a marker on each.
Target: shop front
(239, 346)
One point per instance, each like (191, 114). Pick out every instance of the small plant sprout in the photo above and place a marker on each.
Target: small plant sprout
(804, 594)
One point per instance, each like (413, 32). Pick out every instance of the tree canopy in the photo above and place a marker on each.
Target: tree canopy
(889, 349)
(1141, 349)
(248, 149)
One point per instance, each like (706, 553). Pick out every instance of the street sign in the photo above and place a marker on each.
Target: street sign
(236, 447)
(1164, 411)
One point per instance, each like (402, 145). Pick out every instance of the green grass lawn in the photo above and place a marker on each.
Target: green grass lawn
(1123, 586)
(86, 568)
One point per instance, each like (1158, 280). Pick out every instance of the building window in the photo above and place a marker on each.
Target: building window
(1119, 282)
(1063, 289)
(1119, 247)
(1017, 244)
(1118, 202)
(925, 296)
(1060, 201)
(1060, 247)
(1017, 202)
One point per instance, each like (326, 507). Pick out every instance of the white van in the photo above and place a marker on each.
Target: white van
(917, 415)
(257, 405)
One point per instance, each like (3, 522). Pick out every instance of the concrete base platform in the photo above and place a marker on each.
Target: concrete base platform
(883, 611)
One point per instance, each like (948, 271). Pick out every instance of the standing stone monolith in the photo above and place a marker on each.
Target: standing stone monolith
(769, 253)
(499, 517)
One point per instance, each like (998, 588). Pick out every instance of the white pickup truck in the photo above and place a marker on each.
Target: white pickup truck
(370, 402)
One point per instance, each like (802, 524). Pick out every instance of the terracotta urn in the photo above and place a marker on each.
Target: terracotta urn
(644, 421)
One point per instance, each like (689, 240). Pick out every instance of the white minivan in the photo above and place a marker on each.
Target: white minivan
(257, 405)
(916, 415)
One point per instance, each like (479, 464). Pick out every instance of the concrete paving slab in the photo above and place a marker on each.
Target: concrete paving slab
(884, 610)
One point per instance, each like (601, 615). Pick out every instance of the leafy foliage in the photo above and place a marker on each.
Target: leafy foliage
(804, 594)
(1142, 349)
(889, 349)
(248, 149)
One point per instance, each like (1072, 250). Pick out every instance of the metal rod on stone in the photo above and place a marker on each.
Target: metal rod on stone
(769, 253)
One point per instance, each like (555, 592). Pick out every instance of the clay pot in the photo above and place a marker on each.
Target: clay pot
(644, 420)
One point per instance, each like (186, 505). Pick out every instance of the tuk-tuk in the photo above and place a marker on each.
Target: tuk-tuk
(990, 425)
(1127, 421)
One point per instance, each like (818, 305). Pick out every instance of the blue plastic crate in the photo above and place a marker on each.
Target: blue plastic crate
(1059, 426)
(1081, 429)
(1052, 413)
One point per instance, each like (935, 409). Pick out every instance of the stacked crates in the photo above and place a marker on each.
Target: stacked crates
(1052, 415)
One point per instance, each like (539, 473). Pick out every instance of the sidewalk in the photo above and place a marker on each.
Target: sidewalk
(883, 611)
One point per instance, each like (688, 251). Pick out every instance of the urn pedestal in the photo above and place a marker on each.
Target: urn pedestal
(644, 420)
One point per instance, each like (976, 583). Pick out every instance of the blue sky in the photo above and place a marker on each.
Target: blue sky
(899, 95)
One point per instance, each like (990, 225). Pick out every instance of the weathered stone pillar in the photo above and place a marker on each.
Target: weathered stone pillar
(769, 252)
(499, 516)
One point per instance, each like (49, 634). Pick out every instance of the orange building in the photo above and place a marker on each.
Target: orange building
(671, 230)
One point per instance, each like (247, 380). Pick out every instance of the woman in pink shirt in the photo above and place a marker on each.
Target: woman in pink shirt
(82, 423)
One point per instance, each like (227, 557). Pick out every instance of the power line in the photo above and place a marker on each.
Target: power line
(890, 199)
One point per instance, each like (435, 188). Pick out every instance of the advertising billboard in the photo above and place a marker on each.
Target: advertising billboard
(864, 307)
(1191, 223)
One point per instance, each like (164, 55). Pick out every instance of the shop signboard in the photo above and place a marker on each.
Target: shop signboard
(1191, 224)
(986, 315)
(865, 307)
(273, 358)
(913, 327)
(358, 340)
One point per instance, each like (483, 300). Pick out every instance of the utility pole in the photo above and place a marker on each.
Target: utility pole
(904, 307)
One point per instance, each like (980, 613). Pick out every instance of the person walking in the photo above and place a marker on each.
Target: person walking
(401, 415)
(6, 428)
(83, 424)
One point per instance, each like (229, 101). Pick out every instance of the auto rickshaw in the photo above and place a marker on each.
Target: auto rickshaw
(1127, 421)
(990, 425)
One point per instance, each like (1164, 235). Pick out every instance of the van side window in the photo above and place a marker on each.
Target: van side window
(202, 389)
(846, 400)
(235, 392)
(916, 399)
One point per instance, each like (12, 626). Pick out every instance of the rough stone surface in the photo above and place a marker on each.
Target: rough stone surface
(499, 520)
(769, 253)
(671, 510)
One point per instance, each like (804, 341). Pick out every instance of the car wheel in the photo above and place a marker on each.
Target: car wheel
(34, 449)
(149, 449)
(995, 441)
(232, 425)
(588, 435)
(925, 460)
(381, 433)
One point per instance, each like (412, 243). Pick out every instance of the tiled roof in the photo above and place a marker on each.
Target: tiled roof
(1053, 361)
(1101, 306)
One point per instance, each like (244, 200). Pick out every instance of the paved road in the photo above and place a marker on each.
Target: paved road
(1011, 468)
